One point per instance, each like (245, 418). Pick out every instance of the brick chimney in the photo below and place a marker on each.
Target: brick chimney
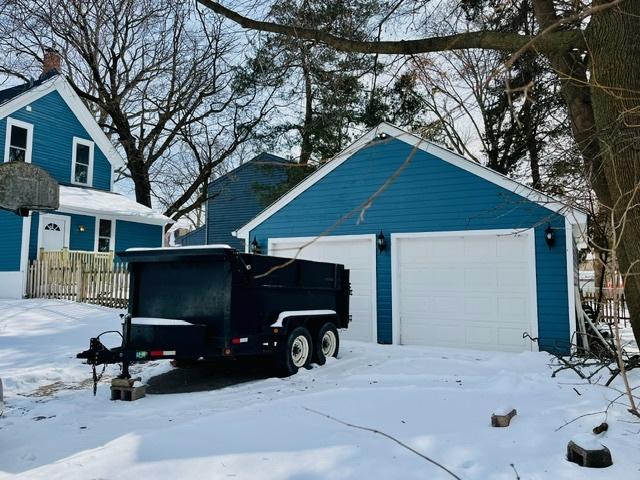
(50, 63)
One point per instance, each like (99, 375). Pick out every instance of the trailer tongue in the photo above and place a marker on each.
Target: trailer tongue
(202, 303)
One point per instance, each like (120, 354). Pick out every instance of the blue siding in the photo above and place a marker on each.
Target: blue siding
(10, 241)
(233, 200)
(131, 235)
(54, 126)
(194, 237)
(429, 195)
(82, 240)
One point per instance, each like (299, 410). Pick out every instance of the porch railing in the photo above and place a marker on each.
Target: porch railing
(76, 258)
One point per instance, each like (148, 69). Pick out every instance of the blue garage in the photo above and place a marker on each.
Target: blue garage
(442, 251)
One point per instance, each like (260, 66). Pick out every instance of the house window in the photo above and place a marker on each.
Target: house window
(82, 162)
(54, 227)
(105, 235)
(18, 141)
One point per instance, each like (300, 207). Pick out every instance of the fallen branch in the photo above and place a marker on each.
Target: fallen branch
(386, 435)
(578, 418)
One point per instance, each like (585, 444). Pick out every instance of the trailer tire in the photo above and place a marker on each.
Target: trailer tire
(327, 343)
(298, 351)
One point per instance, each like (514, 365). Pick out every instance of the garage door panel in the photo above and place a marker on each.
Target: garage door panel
(512, 337)
(510, 247)
(354, 254)
(448, 247)
(479, 248)
(479, 306)
(478, 297)
(511, 278)
(480, 278)
(512, 307)
(360, 277)
(481, 335)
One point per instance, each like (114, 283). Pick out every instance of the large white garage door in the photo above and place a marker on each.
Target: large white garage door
(358, 255)
(469, 291)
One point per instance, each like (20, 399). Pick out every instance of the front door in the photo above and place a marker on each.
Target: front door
(53, 232)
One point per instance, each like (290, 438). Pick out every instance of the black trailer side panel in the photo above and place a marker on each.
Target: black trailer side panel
(278, 284)
(196, 290)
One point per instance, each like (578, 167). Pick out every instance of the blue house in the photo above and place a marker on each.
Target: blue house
(442, 251)
(45, 123)
(235, 198)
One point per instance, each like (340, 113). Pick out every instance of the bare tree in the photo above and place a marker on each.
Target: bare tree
(588, 45)
(152, 71)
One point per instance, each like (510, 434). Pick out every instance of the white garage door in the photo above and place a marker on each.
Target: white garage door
(470, 291)
(357, 253)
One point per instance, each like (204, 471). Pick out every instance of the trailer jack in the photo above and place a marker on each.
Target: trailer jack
(99, 354)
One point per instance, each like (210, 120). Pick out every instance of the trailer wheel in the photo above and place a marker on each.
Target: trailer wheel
(298, 351)
(327, 343)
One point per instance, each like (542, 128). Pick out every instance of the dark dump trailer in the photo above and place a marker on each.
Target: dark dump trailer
(193, 303)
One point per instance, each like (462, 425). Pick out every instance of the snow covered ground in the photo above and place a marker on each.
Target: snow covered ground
(437, 401)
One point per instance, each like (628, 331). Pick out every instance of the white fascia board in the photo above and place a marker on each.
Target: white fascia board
(73, 101)
(107, 215)
(27, 98)
(86, 118)
(574, 216)
(328, 167)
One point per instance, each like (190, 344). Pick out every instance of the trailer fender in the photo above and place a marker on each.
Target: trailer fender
(284, 317)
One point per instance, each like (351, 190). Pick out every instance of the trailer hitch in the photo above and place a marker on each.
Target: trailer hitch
(99, 354)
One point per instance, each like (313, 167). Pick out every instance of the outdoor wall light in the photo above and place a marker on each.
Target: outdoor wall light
(255, 246)
(381, 241)
(550, 236)
(81, 228)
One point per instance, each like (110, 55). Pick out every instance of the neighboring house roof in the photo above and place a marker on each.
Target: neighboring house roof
(12, 92)
(194, 237)
(264, 157)
(235, 197)
(575, 216)
(88, 201)
(15, 98)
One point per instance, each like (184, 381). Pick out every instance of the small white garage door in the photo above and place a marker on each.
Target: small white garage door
(357, 253)
(466, 291)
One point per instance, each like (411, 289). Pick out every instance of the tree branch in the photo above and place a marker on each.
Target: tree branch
(510, 42)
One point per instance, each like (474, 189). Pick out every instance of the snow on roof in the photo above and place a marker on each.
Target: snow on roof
(109, 204)
(190, 247)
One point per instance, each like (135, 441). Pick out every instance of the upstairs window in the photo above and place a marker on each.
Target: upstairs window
(18, 141)
(82, 162)
(104, 242)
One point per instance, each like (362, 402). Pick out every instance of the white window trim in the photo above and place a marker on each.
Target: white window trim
(112, 240)
(373, 252)
(7, 140)
(88, 143)
(395, 270)
(44, 218)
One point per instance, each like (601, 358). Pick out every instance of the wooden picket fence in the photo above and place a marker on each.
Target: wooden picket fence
(100, 282)
(77, 258)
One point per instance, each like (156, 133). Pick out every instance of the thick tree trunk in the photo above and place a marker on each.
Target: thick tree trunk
(306, 146)
(140, 178)
(613, 37)
(593, 109)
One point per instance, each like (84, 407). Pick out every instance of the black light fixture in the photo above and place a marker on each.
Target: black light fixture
(381, 241)
(81, 228)
(549, 235)
(255, 246)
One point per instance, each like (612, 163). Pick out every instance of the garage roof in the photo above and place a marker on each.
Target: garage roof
(574, 215)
